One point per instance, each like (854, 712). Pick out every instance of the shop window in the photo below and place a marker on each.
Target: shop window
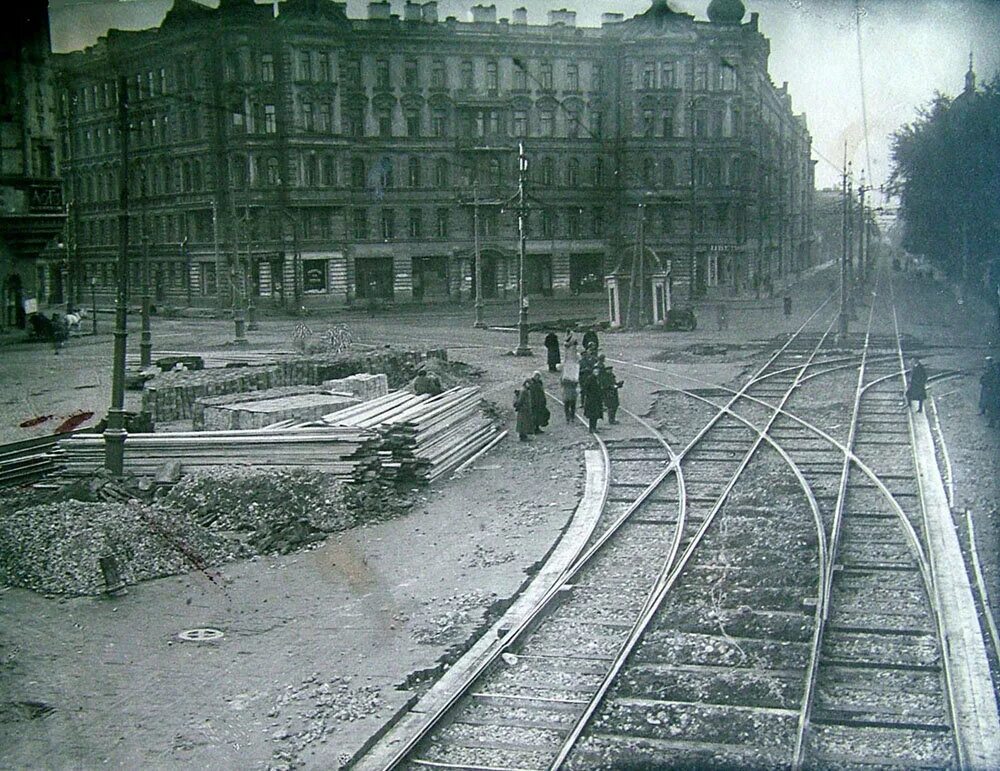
(314, 276)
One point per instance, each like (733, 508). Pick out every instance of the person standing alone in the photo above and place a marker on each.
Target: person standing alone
(552, 349)
(916, 391)
(570, 379)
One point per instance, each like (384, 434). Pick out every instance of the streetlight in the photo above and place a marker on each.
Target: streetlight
(93, 304)
(478, 323)
(522, 318)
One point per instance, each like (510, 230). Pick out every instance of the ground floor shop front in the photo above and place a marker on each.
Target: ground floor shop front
(366, 274)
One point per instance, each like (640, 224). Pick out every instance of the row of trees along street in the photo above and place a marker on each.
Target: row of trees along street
(946, 175)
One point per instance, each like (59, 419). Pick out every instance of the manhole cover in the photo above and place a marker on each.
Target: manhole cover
(203, 634)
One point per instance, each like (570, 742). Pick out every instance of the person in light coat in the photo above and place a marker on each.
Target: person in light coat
(569, 380)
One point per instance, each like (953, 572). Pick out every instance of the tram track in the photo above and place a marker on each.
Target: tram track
(619, 577)
(760, 597)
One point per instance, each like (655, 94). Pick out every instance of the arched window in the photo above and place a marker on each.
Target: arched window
(358, 173)
(548, 172)
(273, 175)
(736, 171)
(573, 172)
(669, 172)
(649, 172)
(441, 172)
(496, 171)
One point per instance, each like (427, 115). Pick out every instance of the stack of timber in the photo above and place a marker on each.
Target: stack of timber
(422, 437)
(29, 460)
(345, 452)
(218, 359)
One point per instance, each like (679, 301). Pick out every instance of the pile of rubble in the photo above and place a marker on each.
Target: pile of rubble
(52, 541)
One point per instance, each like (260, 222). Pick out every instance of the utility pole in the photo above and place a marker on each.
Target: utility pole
(862, 259)
(849, 237)
(114, 434)
(145, 335)
(478, 323)
(522, 214)
(842, 326)
(235, 280)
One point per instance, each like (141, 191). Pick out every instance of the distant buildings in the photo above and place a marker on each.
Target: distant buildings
(32, 213)
(322, 160)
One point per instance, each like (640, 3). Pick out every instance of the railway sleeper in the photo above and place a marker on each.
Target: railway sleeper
(858, 746)
(483, 755)
(605, 750)
(712, 685)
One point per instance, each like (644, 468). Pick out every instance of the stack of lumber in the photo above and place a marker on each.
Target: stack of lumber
(215, 359)
(27, 461)
(422, 437)
(343, 451)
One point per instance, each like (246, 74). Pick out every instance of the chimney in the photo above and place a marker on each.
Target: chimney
(520, 16)
(563, 17)
(484, 14)
(380, 9)
(411, 11)
(612, 18)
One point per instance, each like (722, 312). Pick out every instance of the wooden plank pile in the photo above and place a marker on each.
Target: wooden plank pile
(172, 395)
(346, 452)
(422, 437)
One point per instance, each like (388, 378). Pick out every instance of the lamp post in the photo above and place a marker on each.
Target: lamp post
(145, 334)
(93, 305)
(114, 434)
(478, 323)
(522, 316)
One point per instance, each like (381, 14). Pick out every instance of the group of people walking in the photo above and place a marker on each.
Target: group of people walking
(585, 375)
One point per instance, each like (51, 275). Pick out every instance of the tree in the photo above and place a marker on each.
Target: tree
(946, 174)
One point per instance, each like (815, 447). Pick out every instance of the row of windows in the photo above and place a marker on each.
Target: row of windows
(312, 170)
(144, 84)
(146, 131)
(671, 74)
(422, 222)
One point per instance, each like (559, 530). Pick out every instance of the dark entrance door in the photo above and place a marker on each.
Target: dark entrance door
(488, 267)
(430, 278)
(538, 275)
(14, 302)
(586, 273)
(373, 278)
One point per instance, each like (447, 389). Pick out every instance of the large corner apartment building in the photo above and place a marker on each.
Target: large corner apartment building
(317, 159)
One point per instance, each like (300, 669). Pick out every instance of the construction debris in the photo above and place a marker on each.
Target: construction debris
(56, 544)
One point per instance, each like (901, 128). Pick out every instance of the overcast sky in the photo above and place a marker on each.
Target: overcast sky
(911, 48)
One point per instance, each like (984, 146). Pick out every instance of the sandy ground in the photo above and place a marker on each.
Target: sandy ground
(322, 647)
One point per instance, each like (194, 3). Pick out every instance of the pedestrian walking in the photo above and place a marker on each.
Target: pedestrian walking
(609, 392)
(522, 404)
(588, 361)
(723, 317)
(916, 391)
(570, 380)
(593, 400)
(590, 339)
(552, 349)
(60, 332)
(539, 409)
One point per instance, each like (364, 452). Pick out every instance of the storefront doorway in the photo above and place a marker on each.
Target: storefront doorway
(373, 278)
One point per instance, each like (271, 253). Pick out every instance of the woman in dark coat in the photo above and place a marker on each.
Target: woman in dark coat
(539, 410)
(590, 340)
(552, 347)
(593, 399)
(609, 390)
(525, 415)
(916, 391)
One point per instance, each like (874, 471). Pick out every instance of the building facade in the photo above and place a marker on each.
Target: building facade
(308, 158)
(33, 271)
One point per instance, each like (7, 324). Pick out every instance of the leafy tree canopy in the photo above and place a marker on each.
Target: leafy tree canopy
(946, 175)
